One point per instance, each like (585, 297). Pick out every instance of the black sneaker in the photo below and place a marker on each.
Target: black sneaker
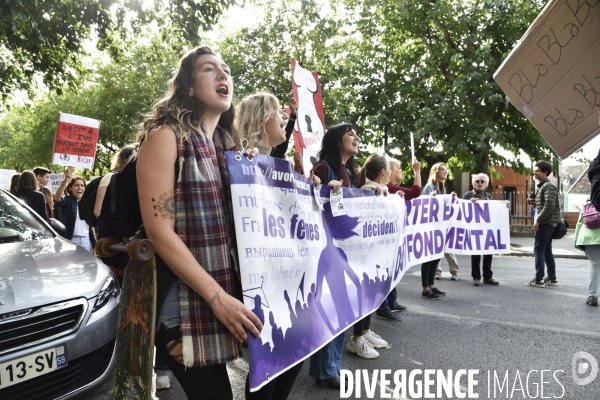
(592, 301)
(430, 295)
(491, 281)
(399, 307)
(388, 315)
(550, 282)
(438, 292)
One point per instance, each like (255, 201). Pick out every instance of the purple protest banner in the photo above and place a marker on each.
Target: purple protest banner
(309, 276)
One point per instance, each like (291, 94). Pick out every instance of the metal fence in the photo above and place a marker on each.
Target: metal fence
(520, 210)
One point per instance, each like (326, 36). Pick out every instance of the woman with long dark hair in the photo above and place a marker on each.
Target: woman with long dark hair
(78, 231)
(336, 168)
(189, 217)
(29, 195)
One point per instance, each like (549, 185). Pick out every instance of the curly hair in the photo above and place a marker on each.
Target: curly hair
(252, 112)
(118, 161)
(186, 112)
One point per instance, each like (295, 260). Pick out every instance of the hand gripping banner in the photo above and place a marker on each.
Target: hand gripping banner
(309, 276)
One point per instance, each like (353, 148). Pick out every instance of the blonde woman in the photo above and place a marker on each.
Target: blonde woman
(259, 121)
(480, 183)
(436, 184)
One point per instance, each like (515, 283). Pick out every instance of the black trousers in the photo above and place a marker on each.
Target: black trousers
(212, 381)
(361, 325)
(428, 272)
(487, 267)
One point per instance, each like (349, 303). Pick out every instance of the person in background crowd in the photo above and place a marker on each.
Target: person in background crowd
(480, 183)
(201, 318)
(589, 239)
(436, 184)
(77, 230)
(118, 162)
(336, 168)
(29, 195)
(14, 183)
(390, 305)
(43, 177)
(371, 176)
(548, 216)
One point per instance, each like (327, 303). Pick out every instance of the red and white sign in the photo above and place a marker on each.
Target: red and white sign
(75, 141)
(310, 122)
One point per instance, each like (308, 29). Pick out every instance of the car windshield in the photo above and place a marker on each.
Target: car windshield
(18, 224)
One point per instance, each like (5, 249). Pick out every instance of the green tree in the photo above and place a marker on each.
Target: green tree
(46, 36)
(260, 57)
(118, 94)
(428, 67)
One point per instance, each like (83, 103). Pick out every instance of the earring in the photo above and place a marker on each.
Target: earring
(191, 92)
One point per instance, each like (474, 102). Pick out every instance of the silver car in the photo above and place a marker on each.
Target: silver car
(58, 310)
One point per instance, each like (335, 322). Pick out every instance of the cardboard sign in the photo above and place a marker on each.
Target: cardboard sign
(5, 177)
(75, 141)
(553, 74)
(55, 181)
(310, 122)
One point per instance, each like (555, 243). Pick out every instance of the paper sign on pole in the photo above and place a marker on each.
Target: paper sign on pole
(75, 141)
(553, 74)
(310, 122)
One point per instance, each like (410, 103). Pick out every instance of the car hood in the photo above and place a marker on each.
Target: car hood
(40, 272)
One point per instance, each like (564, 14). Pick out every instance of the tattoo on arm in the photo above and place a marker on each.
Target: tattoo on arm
(165, 205)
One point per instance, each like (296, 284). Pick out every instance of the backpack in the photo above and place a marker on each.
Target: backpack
(591, 217)
(120, 217)
(87, 203)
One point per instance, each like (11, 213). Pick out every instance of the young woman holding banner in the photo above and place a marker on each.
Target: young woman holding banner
(259, 121)
(436, 184)
(201, 320)
(371, 176)
(438, 175)
(480, 183)
(390, 305)
(336, 168)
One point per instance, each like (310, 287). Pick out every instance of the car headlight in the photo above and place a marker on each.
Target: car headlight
(109, 289)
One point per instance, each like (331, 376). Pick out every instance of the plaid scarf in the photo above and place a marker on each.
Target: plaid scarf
(204, 222)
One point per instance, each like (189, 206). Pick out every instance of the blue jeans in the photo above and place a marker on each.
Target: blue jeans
(542, 251)
(593, 254)
(327, 362)
(83, 241)
(388, 303)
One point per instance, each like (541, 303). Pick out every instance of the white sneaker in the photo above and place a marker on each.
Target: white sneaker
(362, 348)
(375, 340)
(163, 382)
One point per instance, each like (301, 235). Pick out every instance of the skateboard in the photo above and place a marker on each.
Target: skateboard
(137, 317)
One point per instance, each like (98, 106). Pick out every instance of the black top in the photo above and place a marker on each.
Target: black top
(35, 200)
(279, 150)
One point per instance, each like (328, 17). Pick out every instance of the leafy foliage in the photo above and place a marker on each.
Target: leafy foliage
(428, 69)
(47, 36)
(118, 94)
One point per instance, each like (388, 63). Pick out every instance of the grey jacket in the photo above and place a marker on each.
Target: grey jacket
(546, 203)
(471, 193)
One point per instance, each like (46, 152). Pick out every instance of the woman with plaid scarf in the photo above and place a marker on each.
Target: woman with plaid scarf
(188, 216)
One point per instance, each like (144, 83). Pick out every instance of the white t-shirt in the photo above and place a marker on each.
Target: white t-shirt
(105, 180)
(81, 227)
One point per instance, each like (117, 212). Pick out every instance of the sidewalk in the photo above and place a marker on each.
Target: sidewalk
(561, 248)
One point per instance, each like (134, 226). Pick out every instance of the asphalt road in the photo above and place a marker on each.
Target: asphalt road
(510, 331)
